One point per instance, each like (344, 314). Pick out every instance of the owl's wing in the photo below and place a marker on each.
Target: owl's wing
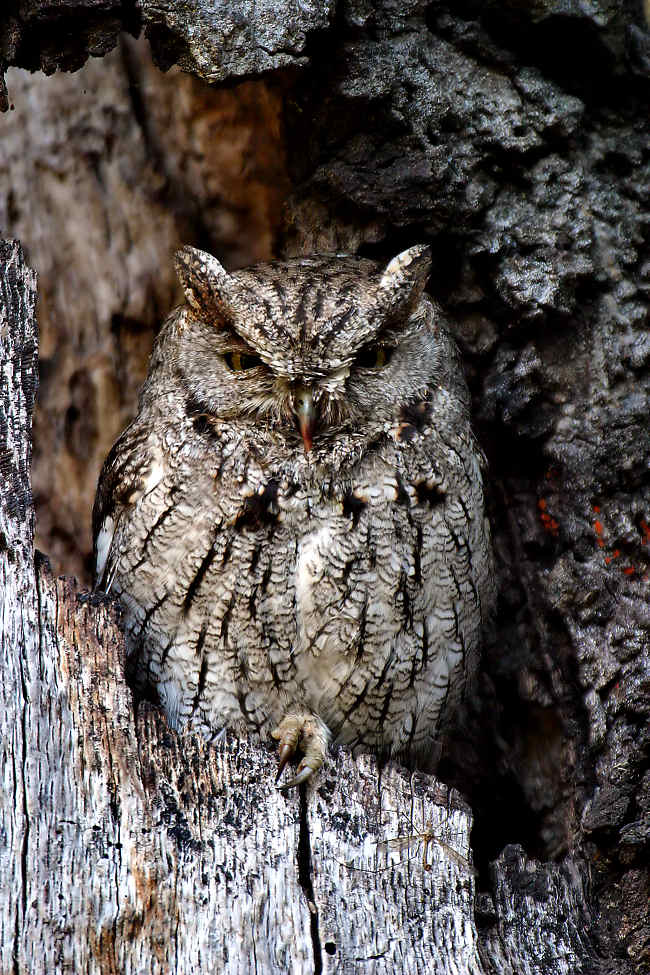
(132, 469)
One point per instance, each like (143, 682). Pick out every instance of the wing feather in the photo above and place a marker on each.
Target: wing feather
(130, 471)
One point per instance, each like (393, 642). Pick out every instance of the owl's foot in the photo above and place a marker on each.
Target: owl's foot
(301, 732)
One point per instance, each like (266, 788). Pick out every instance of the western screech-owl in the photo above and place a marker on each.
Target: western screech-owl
(294, 521)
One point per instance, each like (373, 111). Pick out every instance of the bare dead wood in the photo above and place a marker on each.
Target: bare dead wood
(19, 634)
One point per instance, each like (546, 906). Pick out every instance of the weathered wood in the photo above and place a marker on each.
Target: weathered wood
(541, 919)
(168, 855)
(19, 636)
(385, 897)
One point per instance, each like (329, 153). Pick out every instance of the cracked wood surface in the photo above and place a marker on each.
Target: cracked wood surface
(125, 847)
(19, 618)
(137, 849)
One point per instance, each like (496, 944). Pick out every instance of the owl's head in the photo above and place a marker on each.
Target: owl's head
(314, 348)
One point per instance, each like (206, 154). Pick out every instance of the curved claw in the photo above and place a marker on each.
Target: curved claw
(305, 732)
(305, 772)
(286, 751)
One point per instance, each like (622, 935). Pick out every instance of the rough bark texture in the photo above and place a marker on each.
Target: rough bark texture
(510, 137)
(19, 620)
(229, 40)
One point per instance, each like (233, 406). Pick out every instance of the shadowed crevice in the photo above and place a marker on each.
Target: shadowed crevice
(305, 880)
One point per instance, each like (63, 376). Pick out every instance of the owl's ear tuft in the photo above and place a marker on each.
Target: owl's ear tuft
(205, 282)
(404, 279)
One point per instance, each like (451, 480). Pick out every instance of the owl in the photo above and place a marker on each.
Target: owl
(294, 521)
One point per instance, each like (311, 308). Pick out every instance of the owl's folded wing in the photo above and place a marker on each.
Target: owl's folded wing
(132, 469)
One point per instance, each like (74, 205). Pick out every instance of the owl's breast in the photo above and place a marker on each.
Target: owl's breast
(387, 576)
(353, 562)
(248, 587)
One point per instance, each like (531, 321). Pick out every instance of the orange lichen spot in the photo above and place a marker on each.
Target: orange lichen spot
(645, 529)
(629, 570)
(550, 524)
(598, 528)
(596, 509)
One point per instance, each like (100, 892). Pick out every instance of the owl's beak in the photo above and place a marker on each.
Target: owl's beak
(305, 410)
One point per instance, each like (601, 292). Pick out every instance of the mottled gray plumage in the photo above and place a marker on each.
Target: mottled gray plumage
(294, 521)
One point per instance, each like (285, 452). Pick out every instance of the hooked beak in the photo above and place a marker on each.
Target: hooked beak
(305, 410)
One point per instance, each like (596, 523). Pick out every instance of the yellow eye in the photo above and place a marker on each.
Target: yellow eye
(238, 361)
(374, 356)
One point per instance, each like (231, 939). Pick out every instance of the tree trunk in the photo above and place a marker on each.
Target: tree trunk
(129, 848)
(511, 138)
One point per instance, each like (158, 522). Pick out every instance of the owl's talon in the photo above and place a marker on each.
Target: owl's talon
(305, 772)
(286, 751)
(307, 733)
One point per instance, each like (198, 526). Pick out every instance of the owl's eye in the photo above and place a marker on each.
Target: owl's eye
(374, 357)
(238, 361)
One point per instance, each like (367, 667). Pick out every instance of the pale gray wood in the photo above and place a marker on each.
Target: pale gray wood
(383, 899)
(19, 616)
(543, 923)
(153, 852)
